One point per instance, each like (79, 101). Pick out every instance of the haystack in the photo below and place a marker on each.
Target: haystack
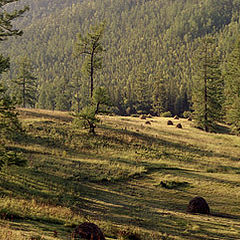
(176, 117)
(148, 122)
(142, 116)
(169, 122)
(179, 125)
(88, 231)
(198, 205)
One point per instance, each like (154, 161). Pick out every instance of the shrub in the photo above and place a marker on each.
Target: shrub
(166, 114)
(187, 114)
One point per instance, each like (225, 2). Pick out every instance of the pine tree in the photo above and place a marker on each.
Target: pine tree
(231, 75)
(159, 97)
(208, 85)
(142, 91)
(9, 123)
(90, 45)
(26, 82)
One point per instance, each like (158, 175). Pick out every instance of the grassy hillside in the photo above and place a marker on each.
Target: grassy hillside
(114, 179)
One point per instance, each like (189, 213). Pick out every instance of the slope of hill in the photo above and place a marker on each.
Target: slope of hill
(148, 41)
(130, 177)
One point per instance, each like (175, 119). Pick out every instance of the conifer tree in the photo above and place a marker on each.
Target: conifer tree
(208, 85)
(142, 91)
(90, 45)
(159, 97)
(231, 75)
(8, 118)
(26, 82)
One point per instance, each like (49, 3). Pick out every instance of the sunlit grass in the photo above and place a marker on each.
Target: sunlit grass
(116, 179)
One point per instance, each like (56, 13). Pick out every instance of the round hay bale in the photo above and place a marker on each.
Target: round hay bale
(169, 122)
(142, 117)
(189, 119)
(126, 235)
(148, 122)
(198, 205)
(88, 231)
(176, 117)
(179, 125)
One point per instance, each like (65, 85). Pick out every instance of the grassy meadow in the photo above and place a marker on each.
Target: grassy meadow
(114, 179)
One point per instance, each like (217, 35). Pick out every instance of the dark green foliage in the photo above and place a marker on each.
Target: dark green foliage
(8, 158)
(231, 74)
(208, 85)
(26, 89)
(6, 18)
(9, 124)
(90, 45)
(150, 46)
(100, 98)
(87, 118)
(173, 184)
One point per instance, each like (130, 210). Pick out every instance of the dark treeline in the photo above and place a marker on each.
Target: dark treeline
(150, 47)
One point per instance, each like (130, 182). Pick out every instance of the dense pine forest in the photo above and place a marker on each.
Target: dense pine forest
(149, 59)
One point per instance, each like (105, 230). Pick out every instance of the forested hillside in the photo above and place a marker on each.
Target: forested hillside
(147, 65)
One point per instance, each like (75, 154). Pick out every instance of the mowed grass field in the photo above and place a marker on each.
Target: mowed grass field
(114, 179)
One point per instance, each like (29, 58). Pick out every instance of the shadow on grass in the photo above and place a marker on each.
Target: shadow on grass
(227, 216)
(149, 140)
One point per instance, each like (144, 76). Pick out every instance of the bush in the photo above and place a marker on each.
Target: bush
(187, 114)
(166, 114)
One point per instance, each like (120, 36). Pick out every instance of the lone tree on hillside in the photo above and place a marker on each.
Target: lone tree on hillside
(90, 45)
(87, 118)
(208, 85)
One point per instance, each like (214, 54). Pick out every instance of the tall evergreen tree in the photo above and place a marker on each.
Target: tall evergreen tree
(8, 118)
(142, 91)
(231, 75)
(159, 97)
(90, 45)
(26, 82)
(208, 85)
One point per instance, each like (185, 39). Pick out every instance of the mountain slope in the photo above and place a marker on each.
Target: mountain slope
(157, 36)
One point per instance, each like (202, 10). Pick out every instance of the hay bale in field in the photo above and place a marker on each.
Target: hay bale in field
(148, 122)
(179, 125)
(126, 235)
(198, 205)
(176, 117)
(169, 122)
(189, 119)
(142, 117)
(89, 231)
(149, 116)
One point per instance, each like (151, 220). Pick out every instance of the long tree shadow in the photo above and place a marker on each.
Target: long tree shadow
(149, 140)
